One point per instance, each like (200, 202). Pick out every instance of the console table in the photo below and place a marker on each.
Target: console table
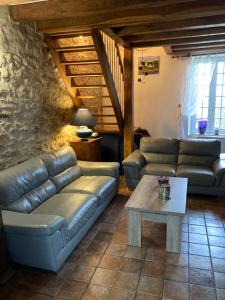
(89, 150)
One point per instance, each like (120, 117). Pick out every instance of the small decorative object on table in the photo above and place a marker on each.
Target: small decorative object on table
(202, 125)
(164, 187)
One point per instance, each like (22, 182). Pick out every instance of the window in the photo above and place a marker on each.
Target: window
(209, 95)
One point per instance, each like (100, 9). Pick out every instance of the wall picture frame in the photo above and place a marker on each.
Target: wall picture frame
(148, 65)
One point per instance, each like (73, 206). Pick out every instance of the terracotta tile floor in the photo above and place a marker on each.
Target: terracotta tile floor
(104, 267)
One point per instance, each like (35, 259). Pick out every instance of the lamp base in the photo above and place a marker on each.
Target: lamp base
(84, 132)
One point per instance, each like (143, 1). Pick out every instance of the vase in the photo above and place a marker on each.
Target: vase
(202, 125)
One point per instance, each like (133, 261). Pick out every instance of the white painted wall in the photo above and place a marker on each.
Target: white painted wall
(156, 99)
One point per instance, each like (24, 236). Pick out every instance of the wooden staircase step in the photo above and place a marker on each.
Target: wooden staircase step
(92, 97)
(99, 106)
(103, 115)
(65, 35)
(85, 75)
(106, 123)
(86, 86)
(76, 49)
(80, 62)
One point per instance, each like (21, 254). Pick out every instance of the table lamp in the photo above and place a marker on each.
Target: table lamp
(83, 118)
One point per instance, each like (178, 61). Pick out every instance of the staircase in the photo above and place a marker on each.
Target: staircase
(90, 64)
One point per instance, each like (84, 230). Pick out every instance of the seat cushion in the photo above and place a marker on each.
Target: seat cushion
(197, 176)
(101, 186)
(76, 209)
(159, 169)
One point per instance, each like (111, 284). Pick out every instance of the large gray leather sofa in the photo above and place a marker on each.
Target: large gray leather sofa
(197, 160)
(50, 202)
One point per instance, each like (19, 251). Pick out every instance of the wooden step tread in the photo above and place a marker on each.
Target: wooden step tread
(80, 62)
(106, 123)
(99, 106)
(86, 86)
(103, 115)
(85, 75)
(75, 49)
(70, 34)
(92, 97)
(108, 130)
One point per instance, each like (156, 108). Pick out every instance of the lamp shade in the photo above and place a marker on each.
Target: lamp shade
(83, 117)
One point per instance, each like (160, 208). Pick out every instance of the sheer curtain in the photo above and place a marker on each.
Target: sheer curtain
(199, 77)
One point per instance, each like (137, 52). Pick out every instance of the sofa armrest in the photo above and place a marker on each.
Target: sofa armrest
(135, 159)
(32, 224)
(219, 167)
(89, 168)
(132, 166)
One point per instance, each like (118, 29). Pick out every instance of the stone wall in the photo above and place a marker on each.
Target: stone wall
(35, 108)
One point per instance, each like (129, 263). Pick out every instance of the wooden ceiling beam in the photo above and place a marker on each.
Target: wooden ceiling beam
(196, 23)
(181, 41)
(174, 34)
(126, 15)
(200, 49)
(198, 52)
(195, 46)
(55, 9)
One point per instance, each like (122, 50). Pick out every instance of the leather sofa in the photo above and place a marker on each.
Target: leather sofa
(197, 160)
(50, 202)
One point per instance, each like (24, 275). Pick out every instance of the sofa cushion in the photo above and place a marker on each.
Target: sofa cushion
(101, 186)
(159, 170)
(200, 147)
(25, 186)
(62, 166)
(76, 209)
(197, 176)
(160, 150)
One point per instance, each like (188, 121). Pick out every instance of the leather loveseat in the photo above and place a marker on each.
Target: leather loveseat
(50, 202)
(197, 160)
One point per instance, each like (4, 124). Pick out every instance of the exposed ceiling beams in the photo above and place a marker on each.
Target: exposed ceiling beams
(183, 27)
(18, 2)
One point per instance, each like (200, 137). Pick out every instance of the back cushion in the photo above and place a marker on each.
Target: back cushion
(62, 166)
(25, 186)
(160, 150)
(199, 152)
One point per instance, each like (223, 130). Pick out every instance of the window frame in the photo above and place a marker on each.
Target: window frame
(210, 130)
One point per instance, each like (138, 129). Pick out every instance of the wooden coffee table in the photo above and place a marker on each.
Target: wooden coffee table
(144, 203)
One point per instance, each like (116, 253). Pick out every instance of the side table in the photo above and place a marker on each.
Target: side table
(89, 150)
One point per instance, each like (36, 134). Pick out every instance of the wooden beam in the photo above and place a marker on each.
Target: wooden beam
(195, 46)
(196, 53)
(192, 23)
(168, 50)
(192, 40)
(62, 71)
(55, 9)
(123, 16)
(199, 50)
(18, 2)
(128, 102)
(174, 34)
(103, 60)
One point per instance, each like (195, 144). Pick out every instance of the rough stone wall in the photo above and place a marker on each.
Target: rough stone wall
(35, 108)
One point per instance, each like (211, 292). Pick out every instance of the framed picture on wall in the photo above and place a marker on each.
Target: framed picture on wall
(148, 65)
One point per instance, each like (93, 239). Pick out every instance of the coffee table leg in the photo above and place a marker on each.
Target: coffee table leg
(173, 234)
(134, 228)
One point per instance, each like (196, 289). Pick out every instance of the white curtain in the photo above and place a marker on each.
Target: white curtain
(199, 77)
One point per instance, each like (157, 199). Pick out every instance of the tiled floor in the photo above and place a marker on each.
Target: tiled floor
(104, 267)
